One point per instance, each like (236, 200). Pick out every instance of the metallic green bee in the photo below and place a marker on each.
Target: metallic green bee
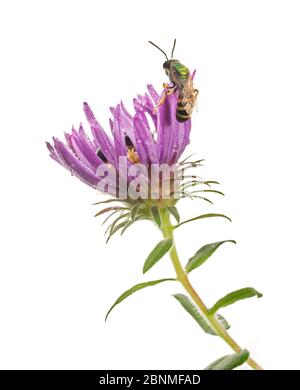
(181, 80)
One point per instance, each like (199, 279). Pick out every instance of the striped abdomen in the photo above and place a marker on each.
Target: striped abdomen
(182, 113)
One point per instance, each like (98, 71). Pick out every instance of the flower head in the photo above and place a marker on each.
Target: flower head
(131, 137)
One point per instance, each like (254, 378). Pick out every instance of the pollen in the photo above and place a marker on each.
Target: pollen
(133, 156)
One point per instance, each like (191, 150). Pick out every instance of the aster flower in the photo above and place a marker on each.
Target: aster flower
(127, 165)
(150, 139)
(82, 155)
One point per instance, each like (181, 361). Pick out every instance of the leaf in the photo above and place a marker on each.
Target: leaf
(135, 288)
(109, 216)
(110, 200)
(156, 216)
(193, 196)
(234, 296)
(134, 211)
(213, 191)
(173, 210)
(115, 208)
(203, 254)
(126, 226)
(229, 362)
(210, 215)
(112, 225)
(223, 321)
(208, 182)
(157, 253)
(115, 227)
(194, 312)
(187, 158)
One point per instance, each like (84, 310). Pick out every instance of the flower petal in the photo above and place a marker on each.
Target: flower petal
(154, 95)
(74, 165)
(84, 150)
(143, 133)
(100, 137)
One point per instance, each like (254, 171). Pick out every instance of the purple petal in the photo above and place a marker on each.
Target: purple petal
(172, 136)
(53, 153)
(84, 150)
(167, 128)
(74, 165)
(154, 95)
(100, 137)
(143, 133)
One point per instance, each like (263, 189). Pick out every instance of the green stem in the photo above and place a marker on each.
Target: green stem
(182, 276)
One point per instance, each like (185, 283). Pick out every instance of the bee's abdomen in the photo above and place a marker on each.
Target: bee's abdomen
(181, 114)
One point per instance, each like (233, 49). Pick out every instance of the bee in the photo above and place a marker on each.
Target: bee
(181, 80)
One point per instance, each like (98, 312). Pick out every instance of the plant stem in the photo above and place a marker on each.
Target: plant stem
(167, 230)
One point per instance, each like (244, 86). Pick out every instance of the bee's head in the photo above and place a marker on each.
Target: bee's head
(167, 64)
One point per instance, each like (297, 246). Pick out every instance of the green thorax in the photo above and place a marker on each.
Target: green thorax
(181, 70)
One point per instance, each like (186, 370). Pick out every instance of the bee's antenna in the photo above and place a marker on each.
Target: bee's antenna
(173, 48)
(159, 49)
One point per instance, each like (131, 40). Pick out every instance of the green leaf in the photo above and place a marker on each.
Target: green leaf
(194, 312)
(229, 362)
(126, 226)
(115, 221)
(173, 210)
(134, 211)
(110, 215)
(157, 253)
(201, 217)
(203, 254)
(234, 296)
(110, 200)
(213, 191)
(223, 321)
(192, 196)
(115, 227)
(106, 210)
(156, 216)
(135, 288)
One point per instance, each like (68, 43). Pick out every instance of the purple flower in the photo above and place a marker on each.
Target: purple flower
(147, 137)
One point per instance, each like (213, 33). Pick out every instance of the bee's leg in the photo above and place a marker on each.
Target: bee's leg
(168, 91)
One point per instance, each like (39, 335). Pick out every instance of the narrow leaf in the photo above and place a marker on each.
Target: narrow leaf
(115, 221)
(126, 226)
(229, 362)
(213, 191)
(110, 200)
(155, 215)
(223, 321)
(173, 210)
(135, 288)
(110, 215)
(203, 254)
(202, 217)
(187, 158)
(194, 312)
(234, 296)
(134, 211)
(116, 228)
(157, 253)
(106, 210)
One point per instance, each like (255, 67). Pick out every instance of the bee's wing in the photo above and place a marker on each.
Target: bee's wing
(175, 77)
(189, 96)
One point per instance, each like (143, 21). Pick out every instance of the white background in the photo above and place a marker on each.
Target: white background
(57, 276)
